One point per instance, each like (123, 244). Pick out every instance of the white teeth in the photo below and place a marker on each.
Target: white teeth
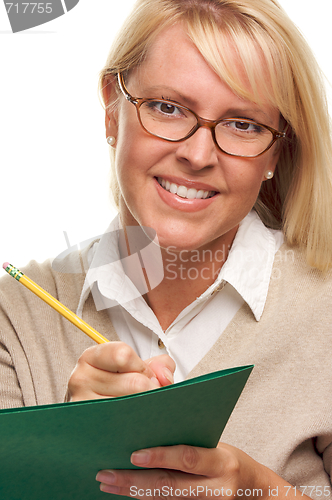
(173, 188)
(184, 192)
(191, 193)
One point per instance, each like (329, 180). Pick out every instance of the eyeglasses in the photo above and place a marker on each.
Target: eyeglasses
(172, 122)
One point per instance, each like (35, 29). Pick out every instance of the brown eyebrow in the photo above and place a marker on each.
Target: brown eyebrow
(187, 101)
(237, 112)
(164, 88)
(250, 112)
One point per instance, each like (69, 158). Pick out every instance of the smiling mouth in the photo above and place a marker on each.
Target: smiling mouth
(183, 192)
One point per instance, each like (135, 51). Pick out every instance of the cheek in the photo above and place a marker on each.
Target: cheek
(127, 131)
(127, 151)
(245, 176)
(138, 154)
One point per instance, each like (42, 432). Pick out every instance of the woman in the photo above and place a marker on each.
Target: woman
(213, 108)
(241, 62)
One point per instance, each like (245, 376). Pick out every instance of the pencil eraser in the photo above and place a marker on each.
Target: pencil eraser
(5, 265)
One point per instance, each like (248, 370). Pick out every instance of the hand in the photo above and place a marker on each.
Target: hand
(114, 369)
(187, 471)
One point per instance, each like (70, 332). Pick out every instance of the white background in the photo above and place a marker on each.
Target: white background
(53, 154)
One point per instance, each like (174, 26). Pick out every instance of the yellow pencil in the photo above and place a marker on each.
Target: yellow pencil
(60, 308)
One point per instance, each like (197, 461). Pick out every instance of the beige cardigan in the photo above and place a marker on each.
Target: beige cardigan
(284, 416)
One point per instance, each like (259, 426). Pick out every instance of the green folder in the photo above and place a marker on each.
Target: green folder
(53, 452)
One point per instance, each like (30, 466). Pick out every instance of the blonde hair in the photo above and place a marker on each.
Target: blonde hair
(298, 199)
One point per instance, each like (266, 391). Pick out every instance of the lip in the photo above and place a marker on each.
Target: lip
(184, 204)
(188, 183)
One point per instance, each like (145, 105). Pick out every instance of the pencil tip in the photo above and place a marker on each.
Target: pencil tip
(5, 265)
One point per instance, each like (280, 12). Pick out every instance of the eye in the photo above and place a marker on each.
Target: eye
(164, 108)
(244, 126)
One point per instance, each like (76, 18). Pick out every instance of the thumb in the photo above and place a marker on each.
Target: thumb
(163, 367)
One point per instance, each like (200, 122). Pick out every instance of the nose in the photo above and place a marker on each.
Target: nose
(198, 151)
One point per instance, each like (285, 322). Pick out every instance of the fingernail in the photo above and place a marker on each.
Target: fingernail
(169, 375)
(141, 457)
(109, 489)
(155, 382)
(106, 476)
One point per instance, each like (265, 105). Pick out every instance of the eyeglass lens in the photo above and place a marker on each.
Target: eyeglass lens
(172, 122)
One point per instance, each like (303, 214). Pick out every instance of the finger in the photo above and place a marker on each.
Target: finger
(93, 383)
(164, 367)
(110, 370)
(209, 462)
(116, 357)
(147, 483)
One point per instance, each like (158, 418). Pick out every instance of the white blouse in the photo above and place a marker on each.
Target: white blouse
(244, 277)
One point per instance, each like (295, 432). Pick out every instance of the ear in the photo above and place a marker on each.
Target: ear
(110, 97)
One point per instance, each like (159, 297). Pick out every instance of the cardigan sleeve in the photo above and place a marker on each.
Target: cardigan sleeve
(16, 387)
(10, 391)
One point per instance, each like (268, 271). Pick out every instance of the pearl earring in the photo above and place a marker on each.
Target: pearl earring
(268, 174)
(110, 140)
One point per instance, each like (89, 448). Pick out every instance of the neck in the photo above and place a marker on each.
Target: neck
(187, 274)
(174, 277)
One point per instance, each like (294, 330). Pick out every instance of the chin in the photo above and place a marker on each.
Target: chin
(179, 242)
(180, 235)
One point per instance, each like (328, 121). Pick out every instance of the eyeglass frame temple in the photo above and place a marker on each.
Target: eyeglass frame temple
(202, 122)
(124, 90)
